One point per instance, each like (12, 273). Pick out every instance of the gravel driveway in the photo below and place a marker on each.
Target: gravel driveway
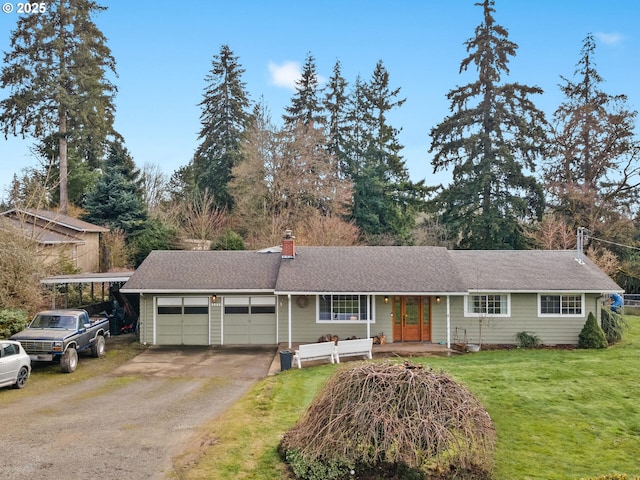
(130, 423)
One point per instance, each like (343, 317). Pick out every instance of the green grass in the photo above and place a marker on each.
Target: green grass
(559, 414)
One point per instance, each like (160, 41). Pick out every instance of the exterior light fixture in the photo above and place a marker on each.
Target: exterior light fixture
(214, 298)
(438, 299)
(386, 299)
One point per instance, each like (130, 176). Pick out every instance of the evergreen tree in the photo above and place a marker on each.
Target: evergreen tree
(335, 104)
(385, 200)
(593, 170)
(224, 120)
(116, 199)
(490, 146)
(56, 73)
(306, 107)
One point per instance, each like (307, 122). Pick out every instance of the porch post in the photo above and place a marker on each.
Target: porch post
(289, 320)
(369, 313)
(448, 322)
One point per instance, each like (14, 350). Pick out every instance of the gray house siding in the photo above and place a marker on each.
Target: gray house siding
(306, 328)
(524, 317)
(146, 319)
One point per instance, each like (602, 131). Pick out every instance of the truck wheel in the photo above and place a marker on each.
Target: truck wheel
(23, 375)
(98, 347)
(69, 360)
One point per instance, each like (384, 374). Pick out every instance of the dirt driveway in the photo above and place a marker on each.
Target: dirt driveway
(130, 423)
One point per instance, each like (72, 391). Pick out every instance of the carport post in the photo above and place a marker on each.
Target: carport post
(289, 320)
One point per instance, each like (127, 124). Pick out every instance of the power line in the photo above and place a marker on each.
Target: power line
(613, 243)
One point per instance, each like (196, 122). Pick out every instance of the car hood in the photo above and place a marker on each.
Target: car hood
(42, 334)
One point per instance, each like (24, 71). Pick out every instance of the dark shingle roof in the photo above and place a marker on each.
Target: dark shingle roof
(216, 271)
(529, 271)
(369, 269)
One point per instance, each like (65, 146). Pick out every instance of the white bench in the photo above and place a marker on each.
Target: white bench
(352, 348)
(314, 351)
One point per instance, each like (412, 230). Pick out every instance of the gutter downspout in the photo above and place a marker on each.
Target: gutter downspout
(448, 322)
(289, 301)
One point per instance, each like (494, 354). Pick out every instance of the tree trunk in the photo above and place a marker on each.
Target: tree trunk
(62, 132)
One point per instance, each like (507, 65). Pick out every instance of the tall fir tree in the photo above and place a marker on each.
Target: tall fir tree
(385, 200)
(57, 75)
(335, 105)
(491, 147)
(306, 107)
(592, 169)
(224, 121)
(592, 172)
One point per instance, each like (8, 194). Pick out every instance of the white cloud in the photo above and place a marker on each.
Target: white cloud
(285, 74)
(611, 39)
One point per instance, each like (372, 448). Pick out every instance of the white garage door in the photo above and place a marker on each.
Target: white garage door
(250, 321)
(182, 321)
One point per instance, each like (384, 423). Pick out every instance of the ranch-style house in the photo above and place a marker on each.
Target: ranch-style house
(295, 294)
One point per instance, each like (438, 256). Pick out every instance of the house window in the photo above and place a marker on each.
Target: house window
(560, 305)
(492, 305)
(347, 308)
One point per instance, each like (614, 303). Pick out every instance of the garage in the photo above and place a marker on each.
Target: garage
(182, 321)
(249, 320)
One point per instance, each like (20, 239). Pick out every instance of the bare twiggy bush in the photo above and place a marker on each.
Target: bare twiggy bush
(392, 417)
(21, 267)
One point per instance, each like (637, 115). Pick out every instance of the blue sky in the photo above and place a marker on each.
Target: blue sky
(164, 49)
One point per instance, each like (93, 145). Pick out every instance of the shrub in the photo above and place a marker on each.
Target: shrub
(12, 320)
(613, 325)
(228, 240)
(528, 340)
(592, 335)
(403, 420)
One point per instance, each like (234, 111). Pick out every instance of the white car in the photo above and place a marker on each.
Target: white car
(15, 364)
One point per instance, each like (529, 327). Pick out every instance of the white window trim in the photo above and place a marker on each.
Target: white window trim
(469, 313)
(560, 314)
(371, 313)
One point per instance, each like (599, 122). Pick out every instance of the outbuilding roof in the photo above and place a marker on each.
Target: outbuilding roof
(47, 217)
(380, 269)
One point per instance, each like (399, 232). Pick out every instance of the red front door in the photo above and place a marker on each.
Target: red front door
(411, 319)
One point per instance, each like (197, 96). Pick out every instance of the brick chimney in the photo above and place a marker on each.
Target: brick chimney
(288, 245)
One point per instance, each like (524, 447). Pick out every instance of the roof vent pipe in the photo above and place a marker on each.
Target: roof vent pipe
(580, 246)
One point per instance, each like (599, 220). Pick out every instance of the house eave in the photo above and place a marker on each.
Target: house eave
(197, 291)
(367, 292)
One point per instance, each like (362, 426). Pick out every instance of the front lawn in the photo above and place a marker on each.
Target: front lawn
(559, 414)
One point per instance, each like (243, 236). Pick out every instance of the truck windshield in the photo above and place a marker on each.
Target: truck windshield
(65, 322)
